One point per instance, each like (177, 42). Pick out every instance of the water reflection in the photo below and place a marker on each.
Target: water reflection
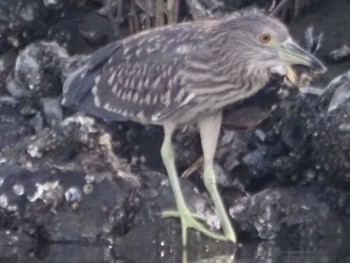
(216, 259)
(146, 245)
(54, 253)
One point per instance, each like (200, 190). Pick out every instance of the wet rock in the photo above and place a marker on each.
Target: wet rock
(51, 204)
(82, 32)
(36, 82)
(274, 213)
(28, 151)
(279, 152)
(188, 146)
(249, 113)
(52, 109)
(331, 133)
(55, 4)
(7, 63)
(157, 199)
(338, 90)
(39, 71)
(55, 188)
(13, 125)
(20, 20)
(130, 142)
(74, 24)
(284, 152)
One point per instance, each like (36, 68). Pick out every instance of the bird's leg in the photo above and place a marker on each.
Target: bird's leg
(209, 130)
(188, 220)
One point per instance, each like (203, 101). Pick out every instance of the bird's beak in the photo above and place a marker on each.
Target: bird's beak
(293, 54)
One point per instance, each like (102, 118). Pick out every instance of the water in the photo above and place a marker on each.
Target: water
(326, 251)
(148, 249)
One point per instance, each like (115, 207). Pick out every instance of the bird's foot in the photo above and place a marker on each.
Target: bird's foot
(190, 220)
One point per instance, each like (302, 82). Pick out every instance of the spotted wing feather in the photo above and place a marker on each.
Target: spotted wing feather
(136, 78)
(78, 84)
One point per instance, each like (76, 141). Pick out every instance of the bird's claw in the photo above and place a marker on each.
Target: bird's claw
(190, 220)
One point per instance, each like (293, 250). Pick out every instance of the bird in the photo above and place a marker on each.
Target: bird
(186, 74)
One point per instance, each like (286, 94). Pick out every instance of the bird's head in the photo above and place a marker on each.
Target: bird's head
(268, 43)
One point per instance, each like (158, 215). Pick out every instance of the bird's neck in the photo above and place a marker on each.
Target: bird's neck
(246, 77)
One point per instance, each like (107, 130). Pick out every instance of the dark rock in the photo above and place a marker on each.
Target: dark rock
(20, 21)
(250, 112)
(7, 63)
(13, 125)
(285, 213)
(74, 24)
(52, 110)
(82, 32)
(55, 188)
(54, 205)
(159, 197)
(36, 82)
(39, 71)
(330, 141)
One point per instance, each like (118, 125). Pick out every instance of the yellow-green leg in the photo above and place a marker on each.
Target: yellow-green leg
(188, 220)
(209, 130)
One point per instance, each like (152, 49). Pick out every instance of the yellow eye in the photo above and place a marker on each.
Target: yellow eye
(265, 38)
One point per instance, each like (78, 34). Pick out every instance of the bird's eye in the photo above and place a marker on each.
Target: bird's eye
(265, 38)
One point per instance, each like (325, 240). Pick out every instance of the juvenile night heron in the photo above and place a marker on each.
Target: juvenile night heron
(181, 74)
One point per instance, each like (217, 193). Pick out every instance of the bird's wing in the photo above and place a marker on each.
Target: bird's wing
(137, 78)
(75, 87)
(144, 90)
